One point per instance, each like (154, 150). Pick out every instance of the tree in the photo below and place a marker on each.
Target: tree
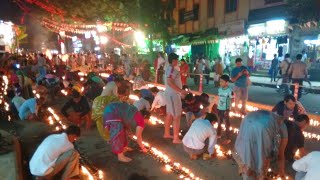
(153, 16)
(305, 10)
(20, 36)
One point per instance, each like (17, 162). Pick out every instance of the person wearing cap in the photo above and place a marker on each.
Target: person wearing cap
(56, 155)
(29, 109)
(173, 92)
(80, 106)
(121, 118)
(240, 77)
(93, 87)
(225, 95)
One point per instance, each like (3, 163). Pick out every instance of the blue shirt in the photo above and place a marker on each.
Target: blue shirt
(241, 81)
(28, 107)
(146, 93)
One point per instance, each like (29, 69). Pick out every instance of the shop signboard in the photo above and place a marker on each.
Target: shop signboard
(235, 28)
(191, 15)
(188, 16)
(273, 27)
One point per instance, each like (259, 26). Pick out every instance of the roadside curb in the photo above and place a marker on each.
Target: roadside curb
(254, 104)
(311, 90)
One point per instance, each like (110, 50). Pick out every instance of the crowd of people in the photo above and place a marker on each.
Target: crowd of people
(291, 71)
(263, 136)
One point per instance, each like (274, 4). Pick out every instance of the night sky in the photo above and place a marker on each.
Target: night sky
(9, 11)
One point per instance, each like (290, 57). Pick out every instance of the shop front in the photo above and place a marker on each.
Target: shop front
(312, 53)
(266, 40)
(233, 41)
(268, 32)
(7, 35)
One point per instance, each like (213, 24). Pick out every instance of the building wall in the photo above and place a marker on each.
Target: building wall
(204, 22)
(259, 4)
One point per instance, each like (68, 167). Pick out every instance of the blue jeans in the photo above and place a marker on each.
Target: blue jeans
(42, 71)
(274, 73)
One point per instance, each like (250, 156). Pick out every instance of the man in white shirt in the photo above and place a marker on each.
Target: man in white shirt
(56, 153)
(111, 88)
(308, 167)
(195, 141)
(173, 98)
(159, 101)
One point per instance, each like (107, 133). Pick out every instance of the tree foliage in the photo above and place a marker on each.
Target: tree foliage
(153, 16)
(305, 10)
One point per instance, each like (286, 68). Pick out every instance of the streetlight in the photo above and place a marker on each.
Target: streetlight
(104, 40)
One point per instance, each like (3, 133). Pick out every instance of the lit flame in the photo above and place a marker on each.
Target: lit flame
(105, 75)
(133, 97)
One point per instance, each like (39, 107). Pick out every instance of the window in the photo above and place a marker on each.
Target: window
(195, 12)
(181, 16)
(272, 1)
(231, 5)
(210, 8)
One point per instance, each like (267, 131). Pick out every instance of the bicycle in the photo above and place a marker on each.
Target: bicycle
(284, 88)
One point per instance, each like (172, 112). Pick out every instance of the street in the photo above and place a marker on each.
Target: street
(98, 152)
(89, 75)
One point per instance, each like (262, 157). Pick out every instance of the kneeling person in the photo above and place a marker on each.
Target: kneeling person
(201, 130)
(81, 109)
(29, 109)
(55, 154)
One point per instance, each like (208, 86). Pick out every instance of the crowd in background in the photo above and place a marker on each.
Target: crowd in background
(105, 100)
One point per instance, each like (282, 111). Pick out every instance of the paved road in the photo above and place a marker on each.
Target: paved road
(99, 152)
(266, 95)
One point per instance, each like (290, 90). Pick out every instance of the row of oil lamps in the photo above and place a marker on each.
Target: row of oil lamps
(51, 121)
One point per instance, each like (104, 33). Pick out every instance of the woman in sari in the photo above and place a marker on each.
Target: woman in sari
(184, 70)
(257, 142)
(98, 106)
(120, 118)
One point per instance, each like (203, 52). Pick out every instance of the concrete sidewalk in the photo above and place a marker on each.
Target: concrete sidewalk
(265, 81)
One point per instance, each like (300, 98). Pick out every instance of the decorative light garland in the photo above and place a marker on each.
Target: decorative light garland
(48, 7)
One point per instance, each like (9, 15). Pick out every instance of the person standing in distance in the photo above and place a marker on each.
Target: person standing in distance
(239, 76)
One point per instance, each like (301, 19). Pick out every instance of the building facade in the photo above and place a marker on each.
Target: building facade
(255, 29)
